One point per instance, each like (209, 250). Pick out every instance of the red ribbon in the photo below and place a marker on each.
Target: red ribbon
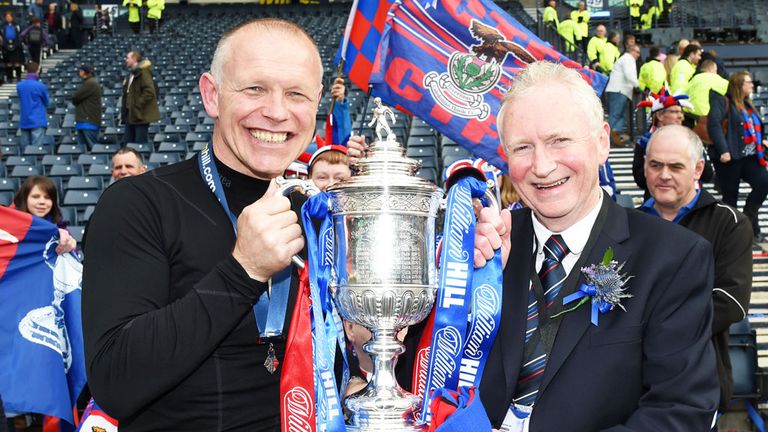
(297, 385)
(421, 365)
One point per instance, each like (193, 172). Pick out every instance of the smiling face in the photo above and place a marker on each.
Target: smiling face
(554, 153)
(39, 203)
(265, 102)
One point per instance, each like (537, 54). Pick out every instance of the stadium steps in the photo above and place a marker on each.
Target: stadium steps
(8, 91)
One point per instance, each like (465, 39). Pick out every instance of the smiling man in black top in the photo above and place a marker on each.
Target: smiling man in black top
(171, 335)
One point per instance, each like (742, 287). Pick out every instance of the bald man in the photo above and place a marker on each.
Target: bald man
(171, 335)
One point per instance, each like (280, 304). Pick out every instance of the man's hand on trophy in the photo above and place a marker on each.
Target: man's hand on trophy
(268, 235)
(356, 148)
(492, 232)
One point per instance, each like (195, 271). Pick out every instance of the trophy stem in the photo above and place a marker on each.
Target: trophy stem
(383, 404)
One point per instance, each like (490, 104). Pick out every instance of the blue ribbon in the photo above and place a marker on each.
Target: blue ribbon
(588, 290)
(269, 312)
(454, 290)
(483, 324)
(325, 322)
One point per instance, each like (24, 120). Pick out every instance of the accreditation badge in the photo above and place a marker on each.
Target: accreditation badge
(518, 418)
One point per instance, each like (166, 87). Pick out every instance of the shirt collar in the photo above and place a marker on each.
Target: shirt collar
(575, 236)
(648, 207)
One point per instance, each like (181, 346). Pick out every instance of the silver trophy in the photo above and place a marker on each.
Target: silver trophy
(384, 275)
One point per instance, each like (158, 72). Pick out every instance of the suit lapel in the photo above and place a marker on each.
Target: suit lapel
(610, 230)
(515, 298)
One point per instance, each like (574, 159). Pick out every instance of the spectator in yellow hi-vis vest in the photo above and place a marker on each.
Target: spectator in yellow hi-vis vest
(581, 17)
(567, 29)
(634, 12)
(154, 13)
(700, 85)
(550, 15)
(610, 52)
(595, 46)
(652, 75)
(134, 14)
(684, 69)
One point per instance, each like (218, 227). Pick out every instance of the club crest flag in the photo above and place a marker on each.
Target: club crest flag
(42, 366)
(449, 62)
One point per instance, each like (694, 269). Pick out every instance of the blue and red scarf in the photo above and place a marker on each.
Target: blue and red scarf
(753, 134)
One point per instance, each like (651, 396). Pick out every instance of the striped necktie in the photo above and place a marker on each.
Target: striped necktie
(552, 275)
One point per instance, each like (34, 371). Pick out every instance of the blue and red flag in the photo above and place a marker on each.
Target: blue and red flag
(95, 419)
(42, 366)
(338, 125)
(449, 62)
(359, 49)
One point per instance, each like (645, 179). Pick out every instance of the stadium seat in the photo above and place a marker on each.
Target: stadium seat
(24, 171)
(13, 161)
(77, 232)
(422, 141)
(81, 197)
(87, 214)
(68, 215)
(9, 184)
(50, 160)
(108, 149)
(85, 183)
(70, 149)
(456, 151)
(90, 159)
(40, 150)
(143, 148)
(100, 170)
(164, 158)
(6, 198)
(429, 174)
(65, 170)
(421, 152)
(172, 147)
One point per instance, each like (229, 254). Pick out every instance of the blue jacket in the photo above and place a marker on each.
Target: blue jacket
(33, 98)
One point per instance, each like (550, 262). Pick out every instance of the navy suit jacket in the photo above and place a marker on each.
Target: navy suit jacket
(651, 368)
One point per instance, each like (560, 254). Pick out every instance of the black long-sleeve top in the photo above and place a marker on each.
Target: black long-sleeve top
(170, 336)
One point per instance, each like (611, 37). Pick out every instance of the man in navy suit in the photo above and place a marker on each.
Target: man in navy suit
(648, 364)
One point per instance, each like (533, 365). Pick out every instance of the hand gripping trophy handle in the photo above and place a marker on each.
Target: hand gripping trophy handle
(287, 187)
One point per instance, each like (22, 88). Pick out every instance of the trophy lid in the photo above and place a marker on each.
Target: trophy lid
(385, 165)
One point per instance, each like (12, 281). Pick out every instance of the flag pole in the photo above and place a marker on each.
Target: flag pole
(338, 75)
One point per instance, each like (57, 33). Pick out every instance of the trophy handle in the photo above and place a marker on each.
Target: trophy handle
(306, 187)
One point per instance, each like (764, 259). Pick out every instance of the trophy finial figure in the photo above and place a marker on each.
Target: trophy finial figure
(380, 114)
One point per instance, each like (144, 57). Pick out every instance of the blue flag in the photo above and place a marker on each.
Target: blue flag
(449, 62)
(42, 366)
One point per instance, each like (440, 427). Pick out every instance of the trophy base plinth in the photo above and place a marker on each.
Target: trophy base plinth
(388, 410)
